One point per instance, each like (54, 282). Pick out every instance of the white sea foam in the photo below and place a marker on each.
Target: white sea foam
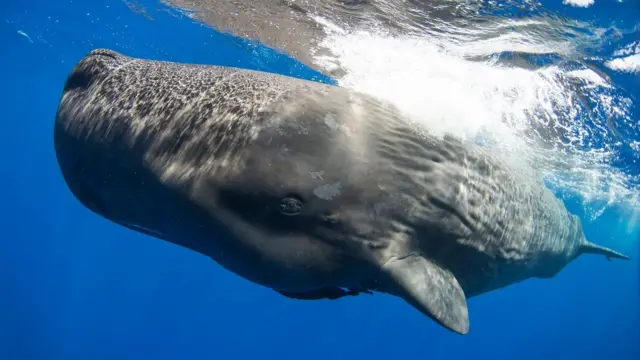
(533, 114)
(633, 48)
(629, 63)
(578, 3)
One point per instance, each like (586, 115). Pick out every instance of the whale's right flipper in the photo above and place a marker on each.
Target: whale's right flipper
(431, 289)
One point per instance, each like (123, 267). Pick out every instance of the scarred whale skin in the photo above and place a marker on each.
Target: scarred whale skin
(315, 191)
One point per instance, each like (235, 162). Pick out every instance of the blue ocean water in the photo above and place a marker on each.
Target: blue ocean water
(75, 286)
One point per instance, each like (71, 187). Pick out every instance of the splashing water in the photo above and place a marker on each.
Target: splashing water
(563, 119)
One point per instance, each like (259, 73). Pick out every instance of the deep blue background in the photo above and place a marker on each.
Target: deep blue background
(74, 286)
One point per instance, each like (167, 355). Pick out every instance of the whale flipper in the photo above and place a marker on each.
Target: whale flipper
(431, 289)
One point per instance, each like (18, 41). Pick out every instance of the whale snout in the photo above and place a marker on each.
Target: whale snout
(95, 66)
(82, 116)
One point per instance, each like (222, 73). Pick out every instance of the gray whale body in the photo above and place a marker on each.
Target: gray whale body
(312, 190)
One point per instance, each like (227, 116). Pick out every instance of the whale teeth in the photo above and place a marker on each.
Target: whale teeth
(431, 289)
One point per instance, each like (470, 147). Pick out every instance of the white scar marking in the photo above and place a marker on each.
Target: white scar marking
(317, 174)
(327, 191)
(331, 122)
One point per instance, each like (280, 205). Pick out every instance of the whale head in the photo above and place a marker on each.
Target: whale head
(254, 177)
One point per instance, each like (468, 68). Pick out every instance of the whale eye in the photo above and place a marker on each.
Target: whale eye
(290, 206)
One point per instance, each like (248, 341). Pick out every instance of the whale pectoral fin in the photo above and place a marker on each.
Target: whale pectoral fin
(431, 289)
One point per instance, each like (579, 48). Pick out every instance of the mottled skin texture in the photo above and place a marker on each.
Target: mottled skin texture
(302, 187)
